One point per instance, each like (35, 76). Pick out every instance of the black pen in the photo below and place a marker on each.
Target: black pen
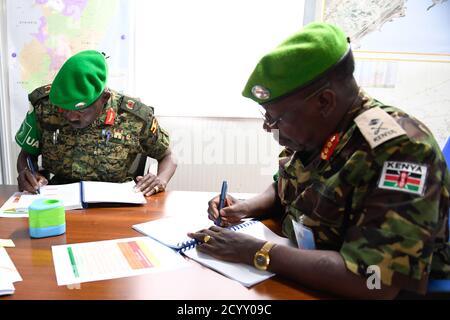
(223, 195)
(33, 171)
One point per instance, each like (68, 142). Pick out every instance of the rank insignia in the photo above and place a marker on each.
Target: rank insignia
(110, 116)
(154, 126)
(377, 126)
(117, 134)
(403, 176)
(130, 104)
(329, 147)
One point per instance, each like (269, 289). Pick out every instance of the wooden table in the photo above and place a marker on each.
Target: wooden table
(33, 257)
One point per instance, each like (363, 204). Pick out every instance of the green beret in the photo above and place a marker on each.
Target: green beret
(296, 62)
(80, 81)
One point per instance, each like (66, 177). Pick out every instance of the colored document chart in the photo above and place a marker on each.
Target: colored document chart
(101, 260)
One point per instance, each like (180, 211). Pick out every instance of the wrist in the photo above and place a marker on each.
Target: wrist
(245, 209)
(253, 248)
(261, 259)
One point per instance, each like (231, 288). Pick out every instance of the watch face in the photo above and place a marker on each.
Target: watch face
(261, 260)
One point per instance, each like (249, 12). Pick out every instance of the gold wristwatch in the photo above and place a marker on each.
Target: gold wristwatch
(262, 258)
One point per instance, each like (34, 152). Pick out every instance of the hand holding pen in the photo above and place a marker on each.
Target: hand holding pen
(231, 211)
(222, 199)
(29, 178)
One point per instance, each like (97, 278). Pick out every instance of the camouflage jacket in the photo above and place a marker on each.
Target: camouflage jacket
(103, 151)
(384, 205)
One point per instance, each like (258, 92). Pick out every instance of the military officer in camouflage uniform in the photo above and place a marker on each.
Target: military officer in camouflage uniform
(362, 187)
(86, 131)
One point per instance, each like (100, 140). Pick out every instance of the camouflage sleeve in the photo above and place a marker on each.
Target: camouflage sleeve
(155, 140)
(401, 211)
(29, 135)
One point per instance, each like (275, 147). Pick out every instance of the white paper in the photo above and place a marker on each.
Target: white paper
(17, 205)
(6, 287)
(112, 259)
(69, 194)
(245, 274)
(8, 273)
(9, 208)
(172, 231)
(98, 192)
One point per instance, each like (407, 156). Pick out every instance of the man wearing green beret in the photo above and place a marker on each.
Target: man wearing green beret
(86, 131)
(362, 187)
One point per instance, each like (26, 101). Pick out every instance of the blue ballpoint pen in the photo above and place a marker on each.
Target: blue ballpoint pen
(33, 170)
(223, 195)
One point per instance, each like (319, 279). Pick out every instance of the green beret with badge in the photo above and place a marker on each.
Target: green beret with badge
(80, 81)
(296, 62)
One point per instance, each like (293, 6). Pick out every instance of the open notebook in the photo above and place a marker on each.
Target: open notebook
(77, 195)
(172, 233)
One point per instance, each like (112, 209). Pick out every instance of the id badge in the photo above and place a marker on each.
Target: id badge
(304, 236)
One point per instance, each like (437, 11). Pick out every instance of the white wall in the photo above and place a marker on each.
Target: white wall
(210, 150)
(194, 57)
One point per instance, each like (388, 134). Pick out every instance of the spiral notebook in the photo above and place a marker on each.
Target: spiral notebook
(172, 233)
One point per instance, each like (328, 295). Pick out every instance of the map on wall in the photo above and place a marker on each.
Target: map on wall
(402, 51)
(394, 26)
(42, 34)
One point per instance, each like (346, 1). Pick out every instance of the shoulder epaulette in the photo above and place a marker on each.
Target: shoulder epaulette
(39, 93)
(134, 106)
(377, 126)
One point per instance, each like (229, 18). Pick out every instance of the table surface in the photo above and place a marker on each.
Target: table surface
(33, 257)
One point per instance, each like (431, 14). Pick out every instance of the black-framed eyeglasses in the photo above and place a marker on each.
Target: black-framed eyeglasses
(272, 123)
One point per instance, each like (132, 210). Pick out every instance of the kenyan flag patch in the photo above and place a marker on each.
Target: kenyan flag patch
(403, 176)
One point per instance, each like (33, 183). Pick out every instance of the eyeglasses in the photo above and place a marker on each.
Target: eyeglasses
(272, 123)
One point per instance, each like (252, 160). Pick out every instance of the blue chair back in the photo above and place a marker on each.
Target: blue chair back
(446, 152)
(442, 285)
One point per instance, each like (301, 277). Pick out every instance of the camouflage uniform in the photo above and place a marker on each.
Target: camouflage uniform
(351, 206)
(99, 152)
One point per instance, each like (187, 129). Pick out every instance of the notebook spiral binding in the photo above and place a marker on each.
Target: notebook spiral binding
(190, 244)
(187, 245)
(242, 225)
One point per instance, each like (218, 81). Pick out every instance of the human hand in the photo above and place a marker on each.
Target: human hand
(150, 184)
(227, 245)
(29, 182)
(233, 212)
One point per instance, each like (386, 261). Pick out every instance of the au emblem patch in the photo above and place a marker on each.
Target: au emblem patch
(403, 176)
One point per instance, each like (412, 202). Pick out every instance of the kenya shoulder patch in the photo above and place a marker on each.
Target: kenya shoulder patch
(403, 176)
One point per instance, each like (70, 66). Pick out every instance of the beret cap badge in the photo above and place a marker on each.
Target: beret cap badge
(260, 92)
(80, 105)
